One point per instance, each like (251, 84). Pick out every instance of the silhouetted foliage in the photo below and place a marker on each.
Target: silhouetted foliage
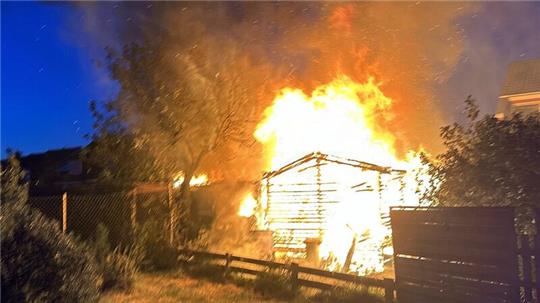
(157, 254)
(117, 267)
(40, 264)
(14, 185)
(274, 284)
(488, 161)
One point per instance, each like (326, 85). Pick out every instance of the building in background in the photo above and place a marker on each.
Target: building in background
(521, 90)
(56, 171)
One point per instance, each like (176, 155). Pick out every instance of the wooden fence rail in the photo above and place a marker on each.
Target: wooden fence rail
(295, 270)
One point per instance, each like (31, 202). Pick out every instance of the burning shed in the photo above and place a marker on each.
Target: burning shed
(341, 204)
(324, 206)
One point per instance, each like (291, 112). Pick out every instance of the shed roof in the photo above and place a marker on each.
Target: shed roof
(332, 159)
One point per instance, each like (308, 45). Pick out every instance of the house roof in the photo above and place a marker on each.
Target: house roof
(522, 77)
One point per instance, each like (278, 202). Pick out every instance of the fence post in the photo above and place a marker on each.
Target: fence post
(171, 213)
(388, 290)
(64, 212)
(228, 259)
(294, 276)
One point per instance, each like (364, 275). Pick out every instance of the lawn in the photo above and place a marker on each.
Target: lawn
(173, 287)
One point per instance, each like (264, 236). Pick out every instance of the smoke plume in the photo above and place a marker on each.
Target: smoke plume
(408, 47)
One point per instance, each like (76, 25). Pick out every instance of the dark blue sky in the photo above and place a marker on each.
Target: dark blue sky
(48, 74)
(48, 78)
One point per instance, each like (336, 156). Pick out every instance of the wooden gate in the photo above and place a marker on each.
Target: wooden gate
(454, 255)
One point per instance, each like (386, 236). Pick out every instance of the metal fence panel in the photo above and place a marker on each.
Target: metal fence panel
(455, 255)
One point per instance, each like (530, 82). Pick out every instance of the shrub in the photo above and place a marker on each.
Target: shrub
(40, 263)
(207, 270)
(239, 280)
(274, 283)
(101, 246)
(155, 252)
(351, 294)
(160, 256)
(118, 271)
(118, 267)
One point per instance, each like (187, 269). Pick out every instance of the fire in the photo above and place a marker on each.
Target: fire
(247, 207)
(337, 119)
(195, 181)
(337, 123)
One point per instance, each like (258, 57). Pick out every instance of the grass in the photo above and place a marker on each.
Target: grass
(348, 294)
(174, 287)
(180, 287)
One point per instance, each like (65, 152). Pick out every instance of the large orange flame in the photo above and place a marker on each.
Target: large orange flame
(339, 118)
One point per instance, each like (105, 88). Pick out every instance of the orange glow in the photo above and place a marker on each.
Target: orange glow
(195, 181)
(338, 119)
(247, 207)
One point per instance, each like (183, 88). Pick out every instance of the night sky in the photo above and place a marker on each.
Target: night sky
(48, 78)
(49, 75)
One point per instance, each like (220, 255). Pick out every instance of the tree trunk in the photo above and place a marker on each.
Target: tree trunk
(185, 206)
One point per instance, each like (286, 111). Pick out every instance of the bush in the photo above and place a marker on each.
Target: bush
(207, 270)
(40, 263)
(118, 267)
(101, 246)
(274, 283)
(156, 253)
(160, 256)
(351, 294)
(118, 271)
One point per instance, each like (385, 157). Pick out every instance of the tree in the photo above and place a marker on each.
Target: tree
(14, 184)
(182, 108)
(488, 161)
(179, 107)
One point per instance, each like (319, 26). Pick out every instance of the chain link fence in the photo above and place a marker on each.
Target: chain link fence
(120, 212)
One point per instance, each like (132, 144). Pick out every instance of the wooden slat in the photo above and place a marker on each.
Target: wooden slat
(259, 262)
(456, 283)
(492, 216)
(455, 235)
(497, 272)
(342, 277)
(439, 251)
(422, 294)
(455, 255)
(463, 229)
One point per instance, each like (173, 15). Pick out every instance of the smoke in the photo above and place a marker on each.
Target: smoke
(497, 34)
(409, 47)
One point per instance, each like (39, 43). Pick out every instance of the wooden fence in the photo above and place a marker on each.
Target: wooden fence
(460, 255)
(299, 275)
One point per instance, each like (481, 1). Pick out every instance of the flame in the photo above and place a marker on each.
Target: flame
(340, 119)
(247, 207)
(199, 180)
